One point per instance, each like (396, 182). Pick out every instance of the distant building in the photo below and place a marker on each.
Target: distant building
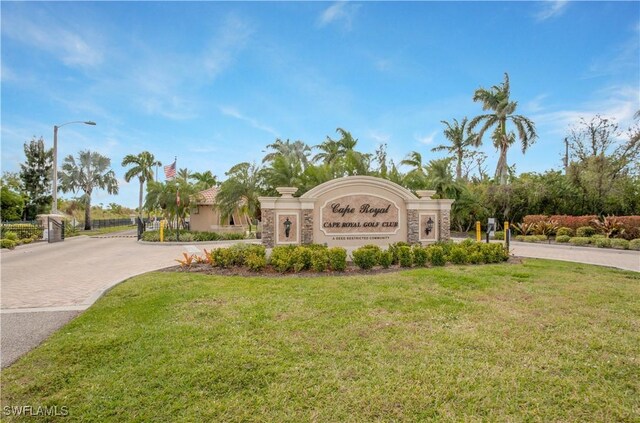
(205, 217)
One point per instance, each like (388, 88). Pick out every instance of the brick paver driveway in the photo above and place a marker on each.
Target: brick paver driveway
(72, 274)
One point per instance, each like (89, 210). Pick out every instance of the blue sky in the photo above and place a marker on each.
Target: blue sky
(214, 83)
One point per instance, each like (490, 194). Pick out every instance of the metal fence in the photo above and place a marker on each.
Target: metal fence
(23, 229)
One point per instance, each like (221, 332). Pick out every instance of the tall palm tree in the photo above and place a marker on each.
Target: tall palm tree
(204, 180)
(329, 152)
(297, 149)
(416, 177)
(85, 173)
(496, 99)
(460, 141)
(142, 167)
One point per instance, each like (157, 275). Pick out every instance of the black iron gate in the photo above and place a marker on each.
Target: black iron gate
(141, 227)
(56, 230)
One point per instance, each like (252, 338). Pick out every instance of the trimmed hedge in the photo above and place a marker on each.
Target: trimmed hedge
(580, 241)
(585, 231)
(634, 244)
(564, 231)
(191, 236)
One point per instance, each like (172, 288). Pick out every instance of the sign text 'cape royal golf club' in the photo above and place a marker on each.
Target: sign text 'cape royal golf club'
(360, 214)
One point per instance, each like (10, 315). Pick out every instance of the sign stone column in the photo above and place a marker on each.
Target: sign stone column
(268, 228)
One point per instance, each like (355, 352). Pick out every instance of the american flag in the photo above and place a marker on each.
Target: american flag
(170, 170)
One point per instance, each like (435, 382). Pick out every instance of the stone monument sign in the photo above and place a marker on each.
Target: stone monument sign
(353, 211)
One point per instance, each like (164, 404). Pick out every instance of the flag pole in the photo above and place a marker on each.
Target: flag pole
(177, 204)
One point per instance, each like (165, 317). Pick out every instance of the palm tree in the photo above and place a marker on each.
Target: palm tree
(241, 190)
(439, 178)
(416, 177)
(342, 156)
(164, 195)
(460, 142)
(497, 100)
(143, 165)
(297, 149)
(329, 152)
(183, 174)
(90, 170)
(205, 179)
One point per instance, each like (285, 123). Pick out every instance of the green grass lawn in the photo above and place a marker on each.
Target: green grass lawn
(538, 341)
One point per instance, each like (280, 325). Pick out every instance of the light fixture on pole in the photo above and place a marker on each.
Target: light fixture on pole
(54, 205)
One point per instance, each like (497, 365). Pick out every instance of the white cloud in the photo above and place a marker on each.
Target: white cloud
(74, 46)
(234, 113)
(338, 12)
(379, 137)
(535, 105)
(617, 102)
(551, 9)
(426, 139)
(231, 39)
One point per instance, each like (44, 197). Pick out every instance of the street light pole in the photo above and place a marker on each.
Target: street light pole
(54, 205)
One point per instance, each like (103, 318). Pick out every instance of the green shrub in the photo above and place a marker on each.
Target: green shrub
(206, 236)
(498, 235)
(222, 257)
(564, 232)
(26, 241)
(634, 244)
(337, 259)
(255, 262)
(585, 232)
(597, 236)
(579, 240)
(385, 258)
(419, 256)
(476, 257)
(233, 236)
(602, 242)
(405, 256)
(393, 248)
(151, 236)
(7, 243)
(619, 244)
(301, 257)
(437, 256)
(520, 237)
(11, 236)
(319, 259)
(458, 255)
(562, 238)
(282, 258)
(365, 258)
(494, 253)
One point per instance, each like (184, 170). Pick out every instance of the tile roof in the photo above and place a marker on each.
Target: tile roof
(207, 197)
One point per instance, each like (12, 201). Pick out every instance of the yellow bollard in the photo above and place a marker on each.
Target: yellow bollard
(478, 231)
(162, 230)
(506, 229)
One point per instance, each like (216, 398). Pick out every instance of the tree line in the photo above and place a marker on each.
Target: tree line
(600, 176)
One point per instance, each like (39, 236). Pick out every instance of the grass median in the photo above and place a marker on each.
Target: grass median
(542, 340)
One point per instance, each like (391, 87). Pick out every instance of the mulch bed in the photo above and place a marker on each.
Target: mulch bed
(270, 272)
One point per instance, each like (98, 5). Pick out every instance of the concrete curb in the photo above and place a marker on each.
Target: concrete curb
(225, 242)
